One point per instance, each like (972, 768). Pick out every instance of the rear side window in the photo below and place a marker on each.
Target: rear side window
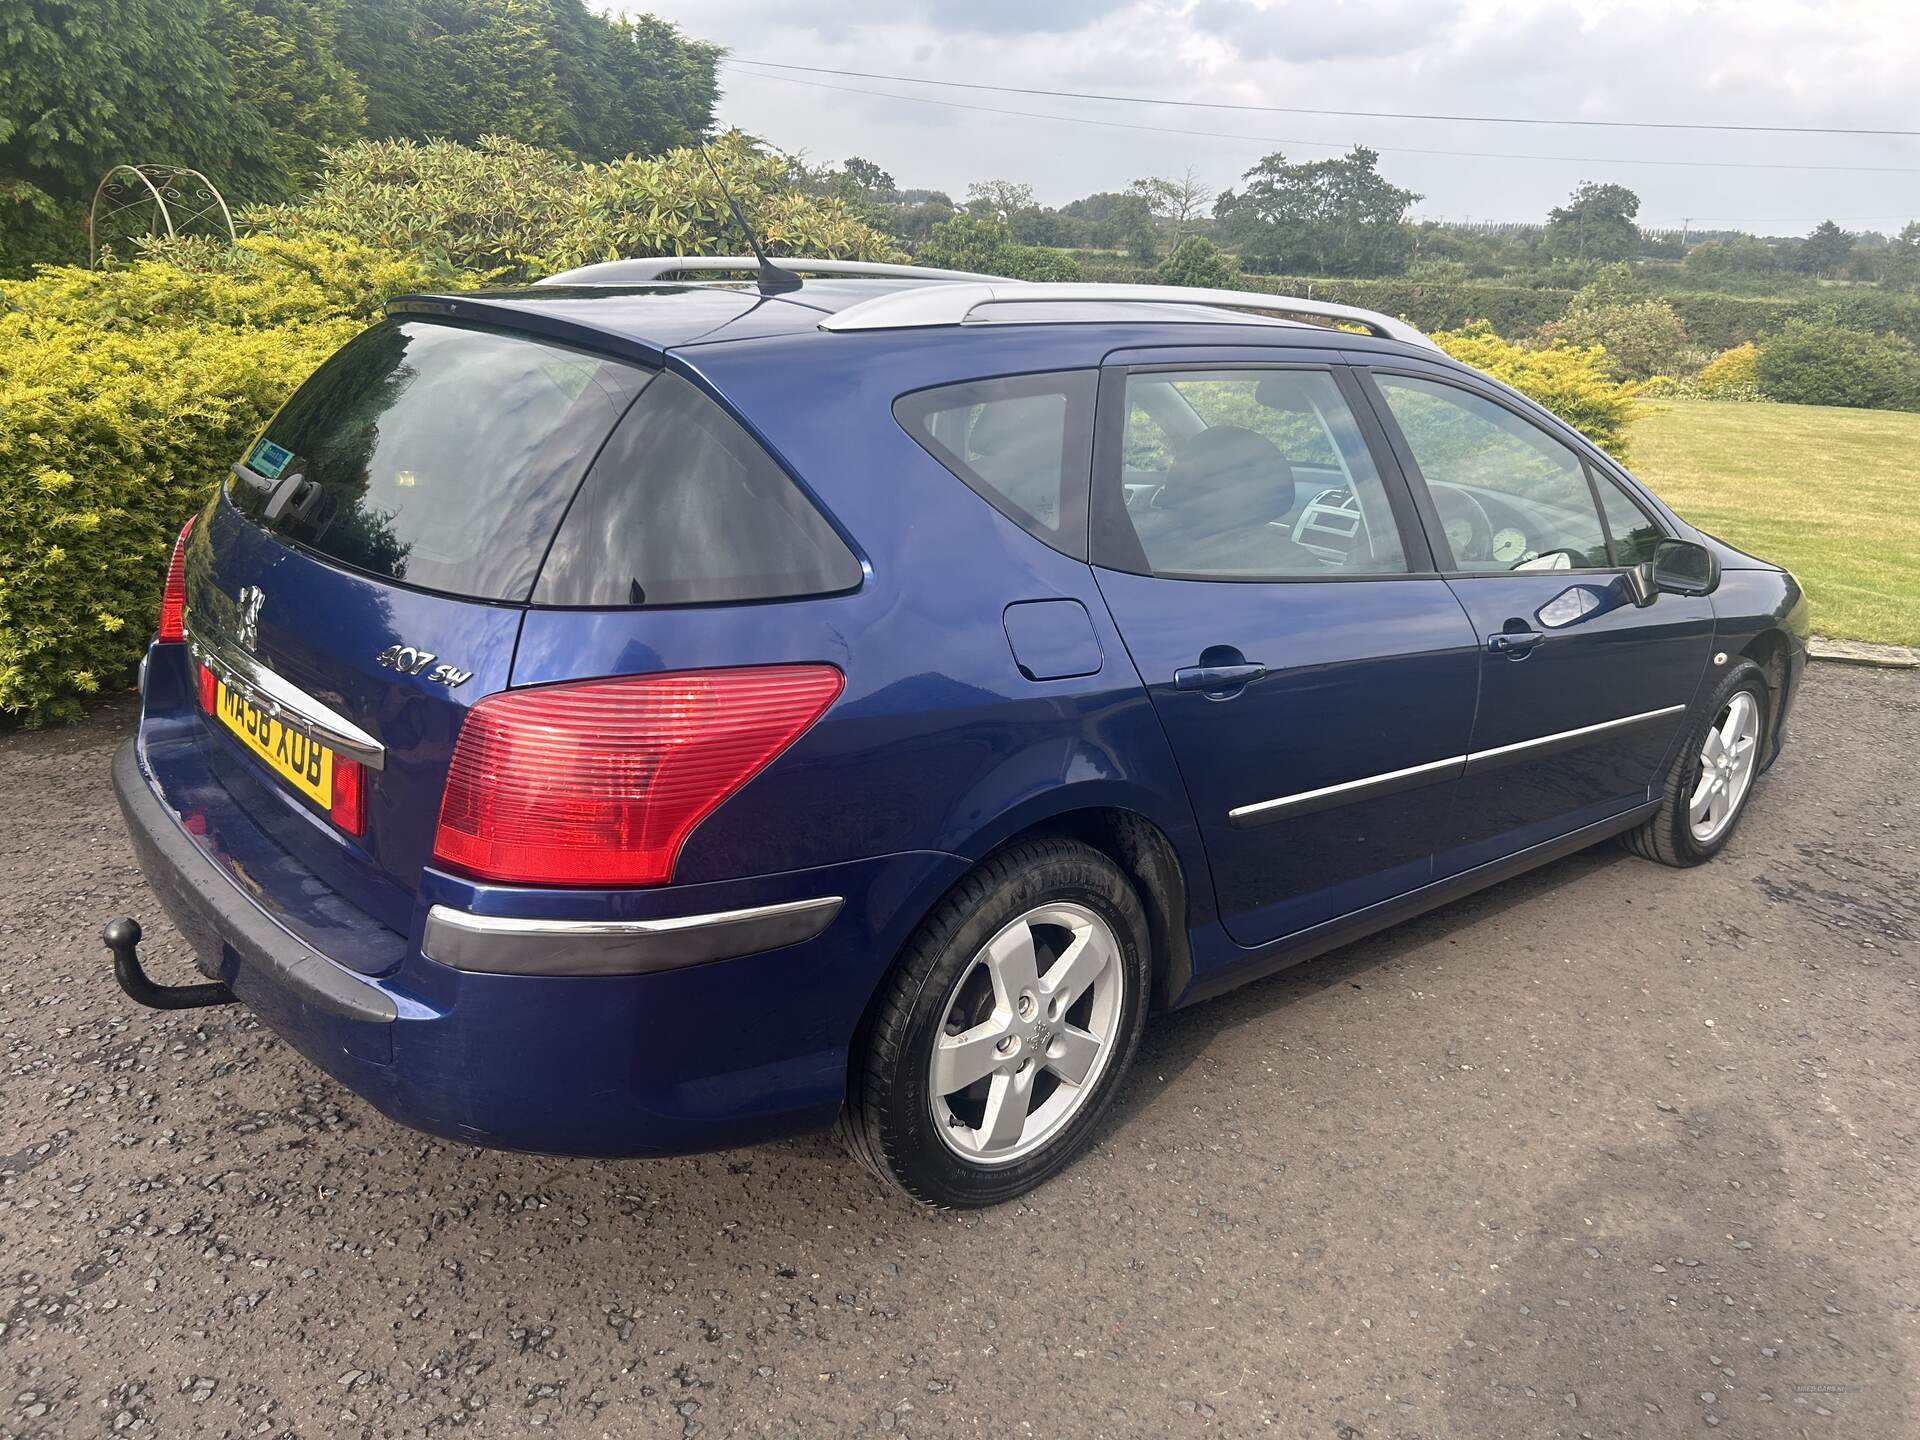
(1023, 443)
(683, 507)
(437, 455)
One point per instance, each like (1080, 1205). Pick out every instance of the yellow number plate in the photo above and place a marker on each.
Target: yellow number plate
(302, 763)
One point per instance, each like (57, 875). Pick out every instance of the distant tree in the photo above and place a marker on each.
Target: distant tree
(1826, 251)
(1327, 217)
(1197, 261)
(912, 222)
(870, 178)
(1902, 267)
(984, 244)
(1734, 255)
(1004, 198)
(1596, 223)
(1178, 200)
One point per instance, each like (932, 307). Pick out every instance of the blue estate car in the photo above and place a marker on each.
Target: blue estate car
(622, 717)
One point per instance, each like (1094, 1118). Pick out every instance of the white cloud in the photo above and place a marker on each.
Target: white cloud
(1848, 63)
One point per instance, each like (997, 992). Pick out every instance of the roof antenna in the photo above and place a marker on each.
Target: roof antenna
(773, 280)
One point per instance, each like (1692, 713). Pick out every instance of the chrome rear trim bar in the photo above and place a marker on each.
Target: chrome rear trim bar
(285, 701)
(509, 945)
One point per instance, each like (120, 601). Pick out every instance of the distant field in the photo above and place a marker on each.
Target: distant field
(1834, 495)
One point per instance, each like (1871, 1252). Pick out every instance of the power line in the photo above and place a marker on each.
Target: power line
(1306, 110)
(1612, 160)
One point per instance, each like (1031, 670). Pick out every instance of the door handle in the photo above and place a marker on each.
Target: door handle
(1216, 679)
(1514, 644)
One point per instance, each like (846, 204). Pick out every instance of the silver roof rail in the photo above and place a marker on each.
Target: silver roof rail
(957, 304)
(646, 270)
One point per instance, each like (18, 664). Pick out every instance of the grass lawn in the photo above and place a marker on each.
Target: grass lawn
(1834, 495)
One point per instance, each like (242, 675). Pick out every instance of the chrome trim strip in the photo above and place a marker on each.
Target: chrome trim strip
(1264, 810)
(285, 701)
(1387, 782)
(509, 945)
(1563, 738)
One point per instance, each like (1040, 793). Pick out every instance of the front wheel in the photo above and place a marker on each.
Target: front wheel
(1707, 788)
(1006, 1029)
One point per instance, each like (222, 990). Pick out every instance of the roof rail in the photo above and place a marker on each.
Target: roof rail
(957, 304)
(647, 269)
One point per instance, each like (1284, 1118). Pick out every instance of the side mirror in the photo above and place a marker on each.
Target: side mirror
(1678, 567)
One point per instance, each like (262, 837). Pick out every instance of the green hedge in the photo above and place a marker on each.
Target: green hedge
(124, 396)
(1512, 310)
(1713, 322)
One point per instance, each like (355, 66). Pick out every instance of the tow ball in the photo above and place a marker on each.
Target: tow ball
(122, 936)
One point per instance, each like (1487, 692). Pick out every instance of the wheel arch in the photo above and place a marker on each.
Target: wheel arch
(1770, 649)
(1144, 852)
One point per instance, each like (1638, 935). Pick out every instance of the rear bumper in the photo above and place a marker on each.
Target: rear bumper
(698, 1056)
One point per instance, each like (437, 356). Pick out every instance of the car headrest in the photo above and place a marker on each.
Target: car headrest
(1283, 392)
(1228, 459)
(1017, 426)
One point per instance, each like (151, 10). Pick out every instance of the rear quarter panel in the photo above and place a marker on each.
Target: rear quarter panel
(939, 742)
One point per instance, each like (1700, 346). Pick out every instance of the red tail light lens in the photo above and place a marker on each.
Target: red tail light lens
(173, 596)
(208, 686)
(600, 782)
(349, 808)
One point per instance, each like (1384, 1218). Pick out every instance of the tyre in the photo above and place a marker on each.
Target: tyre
(1006, 1029)
(1707, 788)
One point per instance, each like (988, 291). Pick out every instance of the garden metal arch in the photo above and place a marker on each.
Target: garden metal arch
(175, 200)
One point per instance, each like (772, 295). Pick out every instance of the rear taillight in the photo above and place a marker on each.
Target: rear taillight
(173, 596)
(600, 782)
(349, 808)
(207, 685)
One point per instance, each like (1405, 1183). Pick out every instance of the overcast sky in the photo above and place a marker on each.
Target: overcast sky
(1853, 63)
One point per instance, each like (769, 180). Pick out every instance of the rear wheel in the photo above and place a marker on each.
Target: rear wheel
(1006, 1030)
(1707, 788)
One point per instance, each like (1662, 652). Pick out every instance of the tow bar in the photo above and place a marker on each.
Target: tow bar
(122, 936)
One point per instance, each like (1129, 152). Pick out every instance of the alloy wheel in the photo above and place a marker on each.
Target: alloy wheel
(1727, 760)
(1027, 1032)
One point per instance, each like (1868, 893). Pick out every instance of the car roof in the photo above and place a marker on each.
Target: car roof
(645, 321)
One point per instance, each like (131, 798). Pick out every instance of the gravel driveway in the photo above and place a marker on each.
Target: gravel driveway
(1610, 1150)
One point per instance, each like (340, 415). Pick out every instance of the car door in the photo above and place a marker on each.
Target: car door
(1585, 683)
(1264, 565)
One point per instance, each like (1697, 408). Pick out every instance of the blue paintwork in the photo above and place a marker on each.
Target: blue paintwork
(993, 685)
(1614, 661)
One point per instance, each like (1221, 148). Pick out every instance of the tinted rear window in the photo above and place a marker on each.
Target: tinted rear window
(437, 455)
(683, 507)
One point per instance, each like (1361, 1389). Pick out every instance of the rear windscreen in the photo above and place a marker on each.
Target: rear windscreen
(437, 455)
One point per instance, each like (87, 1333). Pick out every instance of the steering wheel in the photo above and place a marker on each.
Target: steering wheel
(1468, 529)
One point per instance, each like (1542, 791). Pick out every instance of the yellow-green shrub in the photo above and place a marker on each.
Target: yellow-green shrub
(124, 395)
(1573, 381)
(518, 212)
(1733, 369)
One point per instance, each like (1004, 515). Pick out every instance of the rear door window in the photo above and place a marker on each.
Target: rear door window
(1023, 443)
(683, 507)
(441, 456)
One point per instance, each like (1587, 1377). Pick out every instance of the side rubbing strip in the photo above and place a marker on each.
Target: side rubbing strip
(1368, 788)
(1391, 782)
(1481, 761)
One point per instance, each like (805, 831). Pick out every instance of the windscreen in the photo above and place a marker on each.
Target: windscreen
(437, 455)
